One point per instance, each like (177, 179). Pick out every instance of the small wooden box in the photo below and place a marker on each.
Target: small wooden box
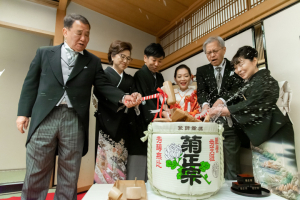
(245, 179)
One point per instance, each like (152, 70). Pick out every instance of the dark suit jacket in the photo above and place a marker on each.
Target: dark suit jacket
(43, 87)
(146, 85)
(115, 124)
(258, 115)
(207, 90)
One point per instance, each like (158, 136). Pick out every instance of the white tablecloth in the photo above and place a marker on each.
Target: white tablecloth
(100, 192)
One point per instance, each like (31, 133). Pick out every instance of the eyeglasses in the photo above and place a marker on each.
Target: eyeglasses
(128, 59)
(213, 51)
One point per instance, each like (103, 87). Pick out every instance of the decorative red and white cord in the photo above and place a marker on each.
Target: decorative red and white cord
(153, 96)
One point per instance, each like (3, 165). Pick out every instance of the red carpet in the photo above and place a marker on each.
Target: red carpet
(50, 196)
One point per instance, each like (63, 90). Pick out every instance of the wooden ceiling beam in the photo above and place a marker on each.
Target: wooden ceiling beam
(49, 3)
(184, 14)
(243, 21)
(62, 4)
(26, 29)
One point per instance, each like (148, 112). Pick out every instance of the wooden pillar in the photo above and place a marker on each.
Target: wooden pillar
(60, 14)
(157, 39)
(248, 5)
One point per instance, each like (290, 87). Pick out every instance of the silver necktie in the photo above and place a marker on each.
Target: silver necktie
(71, 56)
(219, 78)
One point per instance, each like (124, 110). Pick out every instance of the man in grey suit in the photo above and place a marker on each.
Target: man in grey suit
(56, 95)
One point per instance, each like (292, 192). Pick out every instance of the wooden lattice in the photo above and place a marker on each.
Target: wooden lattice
(204, 20)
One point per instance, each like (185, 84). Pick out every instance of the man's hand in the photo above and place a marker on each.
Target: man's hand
(22, 123)
(218, 102)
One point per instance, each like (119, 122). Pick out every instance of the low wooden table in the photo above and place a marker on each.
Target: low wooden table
(100, 192)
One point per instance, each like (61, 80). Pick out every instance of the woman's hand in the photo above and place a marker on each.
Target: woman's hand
(225, 112)
(218, 102)
(219, 110)
(215, 111)
(137, 96)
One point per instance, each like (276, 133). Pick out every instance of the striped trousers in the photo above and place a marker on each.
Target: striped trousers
(61, 130)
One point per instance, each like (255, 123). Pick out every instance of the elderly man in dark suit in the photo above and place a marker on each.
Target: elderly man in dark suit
(56, 95)
(215, 81)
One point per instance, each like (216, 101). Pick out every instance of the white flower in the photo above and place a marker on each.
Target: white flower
(173, 151)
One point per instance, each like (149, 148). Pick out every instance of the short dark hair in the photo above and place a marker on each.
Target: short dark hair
(245, 52)
(71, 18)
(116, 47)
(155, 50)
(182, 66)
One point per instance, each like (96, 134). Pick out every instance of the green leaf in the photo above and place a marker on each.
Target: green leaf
(175, 162)
(179, 175)
(205, 176)
(180, 170)
(173, 166)
(168, 163)
(179, 159)
(204, 166)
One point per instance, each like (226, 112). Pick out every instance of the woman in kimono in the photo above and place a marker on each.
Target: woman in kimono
(186, 95)
(269, 131)
(111, 127)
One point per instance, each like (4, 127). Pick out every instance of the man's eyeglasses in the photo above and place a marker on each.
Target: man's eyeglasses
(128, 59)
(213, 51)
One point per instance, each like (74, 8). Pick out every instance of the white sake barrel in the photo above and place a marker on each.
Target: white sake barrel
(185, 159)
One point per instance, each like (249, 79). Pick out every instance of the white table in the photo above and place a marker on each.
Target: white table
(100, 192)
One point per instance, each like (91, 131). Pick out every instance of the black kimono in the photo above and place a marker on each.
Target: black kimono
(146, 84)
(112, 130)
(258, 115)
(270, 132)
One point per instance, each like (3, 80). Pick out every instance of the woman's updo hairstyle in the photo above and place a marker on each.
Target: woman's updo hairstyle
(116, 47)
(182, 66)
(245, 52)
